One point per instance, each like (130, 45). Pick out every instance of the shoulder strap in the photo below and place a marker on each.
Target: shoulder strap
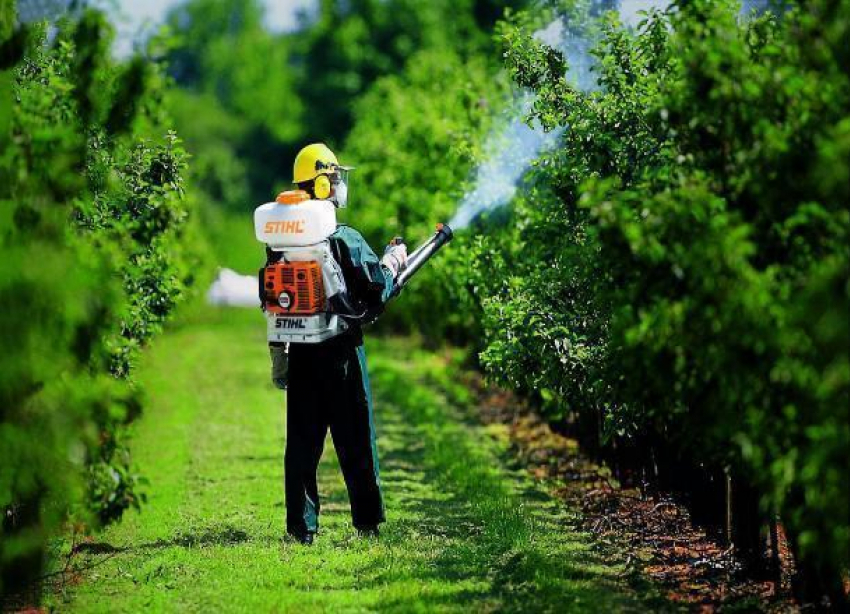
(335, 251)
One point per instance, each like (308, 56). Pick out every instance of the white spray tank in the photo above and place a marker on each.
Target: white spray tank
(297, 286)
(294, 221)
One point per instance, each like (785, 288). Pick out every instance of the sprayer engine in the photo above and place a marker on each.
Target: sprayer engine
(294, 288)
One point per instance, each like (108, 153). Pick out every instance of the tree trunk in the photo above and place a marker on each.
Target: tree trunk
(775, 557)
(747, 528)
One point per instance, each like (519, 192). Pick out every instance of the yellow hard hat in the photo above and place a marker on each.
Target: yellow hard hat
(312, 161)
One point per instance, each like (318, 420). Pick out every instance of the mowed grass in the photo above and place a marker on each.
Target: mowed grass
(463, 533)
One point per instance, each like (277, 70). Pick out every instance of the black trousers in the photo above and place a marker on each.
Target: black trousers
(329, 389)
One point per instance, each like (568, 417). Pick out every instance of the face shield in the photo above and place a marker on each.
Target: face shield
(340, 186)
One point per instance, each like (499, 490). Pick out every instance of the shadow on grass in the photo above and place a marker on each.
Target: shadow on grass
(225, 536)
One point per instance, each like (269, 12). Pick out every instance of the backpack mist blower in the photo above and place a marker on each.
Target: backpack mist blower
(302, 289)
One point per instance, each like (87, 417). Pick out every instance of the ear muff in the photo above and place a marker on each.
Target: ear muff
(322, 187)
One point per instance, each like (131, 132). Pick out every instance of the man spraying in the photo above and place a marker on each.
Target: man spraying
(321, 283)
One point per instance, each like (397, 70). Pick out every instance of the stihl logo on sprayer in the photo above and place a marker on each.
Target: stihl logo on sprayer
(290, 323)
(285, 227)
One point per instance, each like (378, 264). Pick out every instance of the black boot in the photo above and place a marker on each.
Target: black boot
(369, 530)
(305, 539)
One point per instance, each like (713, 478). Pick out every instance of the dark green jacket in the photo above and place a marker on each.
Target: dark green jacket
(369, 283)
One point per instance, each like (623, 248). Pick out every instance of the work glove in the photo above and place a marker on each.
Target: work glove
(280, 365)
(395, 257)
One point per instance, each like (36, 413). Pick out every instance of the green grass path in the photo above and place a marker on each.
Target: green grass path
(464, 533)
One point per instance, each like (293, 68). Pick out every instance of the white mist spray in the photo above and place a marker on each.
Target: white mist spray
(510, 149)
(508, 152)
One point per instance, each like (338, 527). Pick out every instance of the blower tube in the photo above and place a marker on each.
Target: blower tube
(421, 255)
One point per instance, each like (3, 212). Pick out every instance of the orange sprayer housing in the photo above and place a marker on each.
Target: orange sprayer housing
(294, 288)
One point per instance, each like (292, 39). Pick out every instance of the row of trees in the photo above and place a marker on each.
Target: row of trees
(674, 282)
(93, 259)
